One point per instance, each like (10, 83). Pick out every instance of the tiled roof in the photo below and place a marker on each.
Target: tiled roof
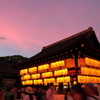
(53, 48)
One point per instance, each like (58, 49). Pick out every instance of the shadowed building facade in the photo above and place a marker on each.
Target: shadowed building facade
(8, 77)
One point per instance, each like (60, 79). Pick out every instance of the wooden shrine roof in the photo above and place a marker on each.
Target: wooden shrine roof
(88, 35)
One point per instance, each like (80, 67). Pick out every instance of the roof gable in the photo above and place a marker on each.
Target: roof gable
(88, 34)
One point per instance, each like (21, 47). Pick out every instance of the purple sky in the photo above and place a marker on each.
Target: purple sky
(28, 25)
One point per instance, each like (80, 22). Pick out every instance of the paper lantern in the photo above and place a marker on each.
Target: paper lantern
(39, 81)
(63, 79)
(27, 77)
(47, 74)
(33, 70)
(23, 71)
(28, 82)
(23, 83)
(49, 80)
(45, 66)
(70, 62)
(22, 79)
(58, 64)
(35, 76)
(40, 67)
(81, 62)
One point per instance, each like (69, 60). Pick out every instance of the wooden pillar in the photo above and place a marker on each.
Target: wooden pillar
(76, 66)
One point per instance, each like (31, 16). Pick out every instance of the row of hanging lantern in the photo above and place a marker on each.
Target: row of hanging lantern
(43, 67)
(33, 70)
(92, 62)
(63, 63)
(28, 76)
(88, 61)
(88, 79)
(23, 71)
(90, 71)
(57, 64)
(35, 76)
(61, 72)
(47, 74)
(40, 81)
(63, 79)
(30, 82)
(47, 80)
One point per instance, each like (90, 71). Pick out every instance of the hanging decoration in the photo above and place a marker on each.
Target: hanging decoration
(33, 70)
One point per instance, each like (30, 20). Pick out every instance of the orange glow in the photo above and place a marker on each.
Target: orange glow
(23, 83)
(61, 72)
(55, 83)
(35, 76)
(47, 74)
(90, 71)
(63, 79)
(22, 79)
(70, 63)
(28, 82)
(81, 62)
(92, 62)
(43, 67)
(32, 70)
(58, 64)
(65, 83)
(27, 77)
(49, 80)
(23, 71)
(88, 79)
(38, 81)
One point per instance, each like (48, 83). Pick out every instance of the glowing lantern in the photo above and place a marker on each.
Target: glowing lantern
(70, 62)
(40, 68)
(86, 60)
(92, 62)
(80, 79)
(62, 63)
(61, 72)
(28, 82)
(75, 82)
(24, 71)
(22, 78)
(55, 83)
(27, 77)
(45, 66)
(23, 82)
(53, 65)
(67, 79)
(63, 79)
(33, 70)
(81, 62)
(58, 64)
(49, 80)
(35, 76)
(38, 81)
(47, 74)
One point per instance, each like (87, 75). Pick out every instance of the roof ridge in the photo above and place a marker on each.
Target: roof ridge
(77, 34)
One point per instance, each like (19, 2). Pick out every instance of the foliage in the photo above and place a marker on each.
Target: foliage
(13, 59)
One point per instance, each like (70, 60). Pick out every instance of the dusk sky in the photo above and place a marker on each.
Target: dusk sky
(28, 25)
